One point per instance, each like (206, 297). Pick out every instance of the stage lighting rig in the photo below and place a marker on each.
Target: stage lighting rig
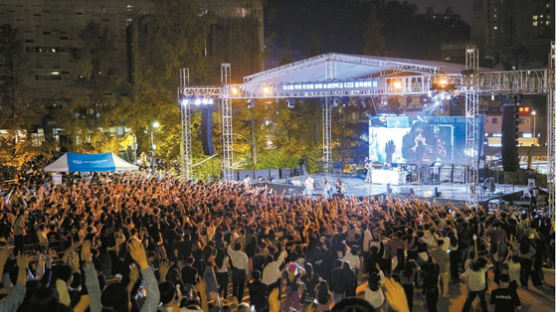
(396, 85)
(234, 91)
(266, 90)
(442, 83)
(197, 101)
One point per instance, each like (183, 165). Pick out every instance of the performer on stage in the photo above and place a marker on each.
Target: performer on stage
(369, 167)
(309, 186)
(340, 187)
(327, 188)
(421, 146)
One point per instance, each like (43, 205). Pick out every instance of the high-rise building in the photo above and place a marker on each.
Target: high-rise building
(514, 33)
(51, 33)
(53, 41)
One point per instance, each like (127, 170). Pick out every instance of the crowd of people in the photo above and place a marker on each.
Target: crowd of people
(134, 242)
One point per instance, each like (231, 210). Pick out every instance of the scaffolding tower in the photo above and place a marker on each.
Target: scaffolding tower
(227, 133)
(327, 135)
(551, 144)
(472, 148)
(185, 148)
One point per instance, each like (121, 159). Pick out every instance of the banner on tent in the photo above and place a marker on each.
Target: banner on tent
(90, 162)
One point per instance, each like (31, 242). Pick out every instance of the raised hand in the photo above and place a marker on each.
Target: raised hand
(163, 269)
(86, 254)
(395, 295)
(75, 260)
(137, 252)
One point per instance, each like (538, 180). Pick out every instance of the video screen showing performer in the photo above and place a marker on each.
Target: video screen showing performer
(422, 146)
(395, 139)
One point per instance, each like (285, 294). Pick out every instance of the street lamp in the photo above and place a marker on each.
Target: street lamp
(534, 113)
(154, 125)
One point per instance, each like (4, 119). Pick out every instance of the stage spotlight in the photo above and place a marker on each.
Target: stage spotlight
(184, 102)
(198, 101)
(204, 101)
(234, 91)
(397, 85)
(290, 104)
(442, 83)
(266, 90)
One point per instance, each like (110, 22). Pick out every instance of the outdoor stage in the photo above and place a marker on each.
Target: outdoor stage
(448, 191)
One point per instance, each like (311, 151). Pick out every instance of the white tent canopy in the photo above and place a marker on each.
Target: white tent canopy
(74, 162)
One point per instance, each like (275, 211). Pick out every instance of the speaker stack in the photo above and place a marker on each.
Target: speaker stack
(206, 130)
(510, 124)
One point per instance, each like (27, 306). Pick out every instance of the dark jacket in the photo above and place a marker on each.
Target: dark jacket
(257, 294)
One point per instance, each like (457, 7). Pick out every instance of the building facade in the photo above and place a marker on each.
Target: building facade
(51, 32)
(53, 36)
(513, 33)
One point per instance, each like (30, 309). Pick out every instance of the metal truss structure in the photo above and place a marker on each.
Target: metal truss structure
(227, 133)
(328, 80)
(331, 58)
(203, 91)
(472, 148)
(327, 135)
(489, 82)
(551, 107)
(186, 160)
(515, 81)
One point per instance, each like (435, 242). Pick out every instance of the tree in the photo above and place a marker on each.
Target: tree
(86, 113)
(374, 41)
(16, 114)
(314, 46)
(287, 54)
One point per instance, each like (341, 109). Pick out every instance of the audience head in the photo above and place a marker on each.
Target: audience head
(115, 298)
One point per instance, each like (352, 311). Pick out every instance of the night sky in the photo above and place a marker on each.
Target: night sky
(339, 25)
(461, 7)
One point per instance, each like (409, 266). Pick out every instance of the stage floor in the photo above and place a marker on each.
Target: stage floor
(448, 191)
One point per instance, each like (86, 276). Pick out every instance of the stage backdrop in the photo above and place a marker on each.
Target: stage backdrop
(419, 139)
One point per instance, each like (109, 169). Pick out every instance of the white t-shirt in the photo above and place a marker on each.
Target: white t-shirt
(375, 298)
(271, 272)
(514, 270)
(476, 280)
(353, 260)
(239, 259)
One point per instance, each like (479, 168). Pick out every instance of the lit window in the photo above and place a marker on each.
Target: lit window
(535, 17)
(495, 27)
(535, 23)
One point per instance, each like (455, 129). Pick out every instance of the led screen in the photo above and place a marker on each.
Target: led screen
(419, 139)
